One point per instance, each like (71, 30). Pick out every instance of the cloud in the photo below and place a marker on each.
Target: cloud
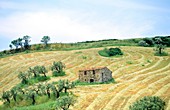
(65, 26)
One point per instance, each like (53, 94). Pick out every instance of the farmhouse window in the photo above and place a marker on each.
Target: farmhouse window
(93, 72)
(85, 72)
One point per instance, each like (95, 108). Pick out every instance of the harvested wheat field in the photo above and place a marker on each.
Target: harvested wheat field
(137, 73)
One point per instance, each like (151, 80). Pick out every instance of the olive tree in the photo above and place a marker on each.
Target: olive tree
(34, 70)
(14, 93)
(42, 89)
(42, 70)
(57, 68)
(48, 88)
(65, 102)
(24, 77)
(60, 85)
(6, 95)
(55, 91)
(31, 94)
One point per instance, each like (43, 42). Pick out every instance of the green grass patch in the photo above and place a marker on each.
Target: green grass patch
(94, 83)
(79, 52)
(162, 54)
(103, 53)
(110, 52)
(148, 61)
(42, 103)
(143, 64)
(33, 81)
(51, 105)
(37, 79)
(129, 62)
(84, 57)
(56, 74)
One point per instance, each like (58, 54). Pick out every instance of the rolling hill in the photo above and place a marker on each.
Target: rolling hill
(137, 73)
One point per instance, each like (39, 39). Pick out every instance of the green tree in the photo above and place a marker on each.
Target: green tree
(65, 102)
(42, 70)
(60, 85)
(31, 94)
(114, 51)
(15, 43)
(149, 41)
(45, 40)
(42, 89)
(24, 77)
(143, 43)
(34, 70)
(48, 87)
(26, 43)
(159, 45)
(148, 103)
(55, 91)
(58, 67)
(6, 96)
(14, 93)
(73, 84)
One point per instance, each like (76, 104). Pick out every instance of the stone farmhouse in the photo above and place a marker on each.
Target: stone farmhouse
(99, 74)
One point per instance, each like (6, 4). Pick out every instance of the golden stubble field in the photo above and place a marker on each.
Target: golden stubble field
(138, 73)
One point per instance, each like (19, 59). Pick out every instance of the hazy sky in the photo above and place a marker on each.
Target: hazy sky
(80, 20)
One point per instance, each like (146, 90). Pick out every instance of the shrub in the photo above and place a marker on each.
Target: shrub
(114, 51)
(148, 103)
(42, 78)
(38, 47)
(27, 51)
(110, 52)
(148, 61)
(84, 57)
(143, 43)
(149, 41)
(79, 52)
(129, 62)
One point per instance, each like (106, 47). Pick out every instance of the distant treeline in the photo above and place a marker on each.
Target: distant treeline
(147, 42)
(150, 42)
(98, 40)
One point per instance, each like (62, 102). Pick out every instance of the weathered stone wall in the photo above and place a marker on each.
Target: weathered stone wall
(105, 75)
(100, 75)
(89, 75)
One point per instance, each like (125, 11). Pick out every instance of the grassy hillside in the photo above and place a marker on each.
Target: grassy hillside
(71, 46)
(137, 73)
